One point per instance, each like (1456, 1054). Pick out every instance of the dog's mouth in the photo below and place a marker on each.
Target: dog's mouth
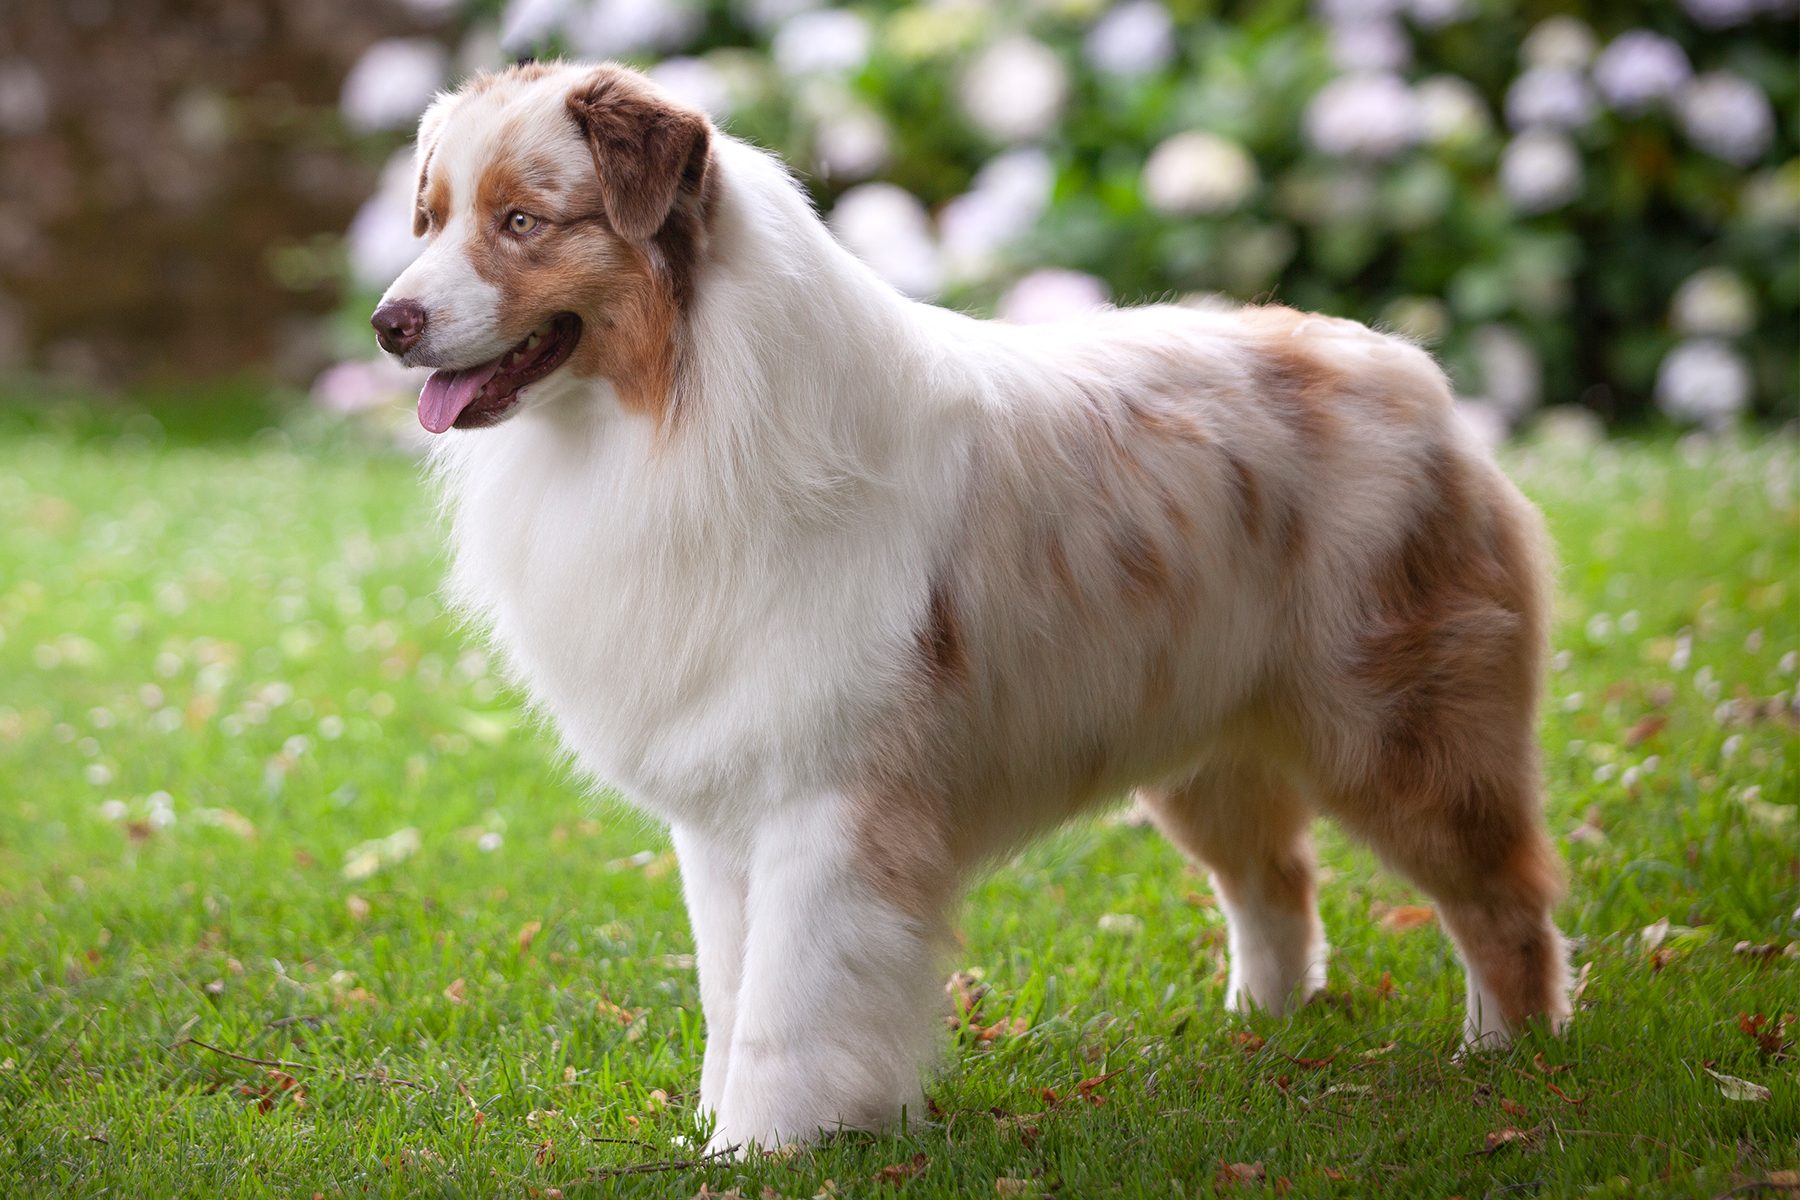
(485, 393)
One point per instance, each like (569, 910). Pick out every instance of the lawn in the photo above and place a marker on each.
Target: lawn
(294, 900)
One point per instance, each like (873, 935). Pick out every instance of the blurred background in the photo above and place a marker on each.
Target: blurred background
(1593, 209)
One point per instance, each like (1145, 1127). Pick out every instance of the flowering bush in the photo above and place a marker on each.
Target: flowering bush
(1603, 211)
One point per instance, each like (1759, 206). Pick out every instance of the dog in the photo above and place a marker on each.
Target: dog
(858, 594)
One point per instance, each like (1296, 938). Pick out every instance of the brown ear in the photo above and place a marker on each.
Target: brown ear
(648, 151)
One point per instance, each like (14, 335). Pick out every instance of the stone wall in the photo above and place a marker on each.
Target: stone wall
(174, 178)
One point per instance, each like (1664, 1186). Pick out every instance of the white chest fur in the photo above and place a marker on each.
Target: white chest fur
(707, 658)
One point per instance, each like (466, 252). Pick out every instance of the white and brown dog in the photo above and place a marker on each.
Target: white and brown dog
(858, 594)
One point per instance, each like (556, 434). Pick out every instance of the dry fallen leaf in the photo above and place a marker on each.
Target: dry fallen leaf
(1004, 1186)
(1232, 1174)
(1733, 1088)
(1408, 916)
(528, 934)
(454, 992)
(900, 1172)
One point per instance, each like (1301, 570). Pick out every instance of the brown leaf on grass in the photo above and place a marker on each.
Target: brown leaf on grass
(604, 1007)
(1011, 1027)
(454, 992)
(1005, 1186)
(1577, 1101)
(281, 1087)
(1251, 1042)
(1232, 1175)
(1499, 1139)
(1408, 916)
(1770, 1036)
(1512, 1107)
(900, 1172)
(528, 933)
(545, 1153)
(966, 992)
(1547, 1067)
(1337, 1176)
(1088, 1089)
(1647, 727)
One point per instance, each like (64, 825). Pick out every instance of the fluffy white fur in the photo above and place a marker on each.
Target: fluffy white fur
(722, 609)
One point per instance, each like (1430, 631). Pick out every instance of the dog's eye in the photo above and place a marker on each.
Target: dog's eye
(520, 222)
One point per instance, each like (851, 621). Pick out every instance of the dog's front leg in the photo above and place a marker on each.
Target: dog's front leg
(834, 1014)
(713, 882)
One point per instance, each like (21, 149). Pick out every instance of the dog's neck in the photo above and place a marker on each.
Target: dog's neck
(795, 351)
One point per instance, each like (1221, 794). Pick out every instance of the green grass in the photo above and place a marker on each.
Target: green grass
(223, 673)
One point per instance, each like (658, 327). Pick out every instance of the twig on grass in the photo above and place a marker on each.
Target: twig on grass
(656, 1167)
(283, 1064)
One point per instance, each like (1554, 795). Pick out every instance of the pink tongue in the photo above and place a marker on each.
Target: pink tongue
(447, 393)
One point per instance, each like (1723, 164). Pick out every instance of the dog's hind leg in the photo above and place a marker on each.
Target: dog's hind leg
(1247, 824)
(1446, 788)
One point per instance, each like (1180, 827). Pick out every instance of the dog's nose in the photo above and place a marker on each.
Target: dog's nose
(398, 325)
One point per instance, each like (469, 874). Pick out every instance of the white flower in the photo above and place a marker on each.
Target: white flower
(1370, 116)
(1052, 295)
(831, 41)
(1015, 90)
(1715, 302)
(888, 229)
(1511, 375)
(1540, 170)
(380, 241)
(694, 81)
(1450, 110)
(1134, 38)
(1703, 382)
(1638, 68)
(526, 24)
(1559, 42)
(615, 28)
(162, 810)
(1353, 12)
(358, 386)
(1008, 196)
(1727, 116)
(1370, 46)
(1556, 97)
(1435, 14)
(1721, 14)
(392, 82)
(852, 144)
(1198, 173)
(24, 101)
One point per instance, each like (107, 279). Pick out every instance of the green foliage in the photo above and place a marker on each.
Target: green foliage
(229, 687)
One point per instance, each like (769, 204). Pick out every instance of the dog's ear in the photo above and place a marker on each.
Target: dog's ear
(649, 151)
(431, 128)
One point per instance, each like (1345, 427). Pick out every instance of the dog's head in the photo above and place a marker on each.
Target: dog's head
(565, 212)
